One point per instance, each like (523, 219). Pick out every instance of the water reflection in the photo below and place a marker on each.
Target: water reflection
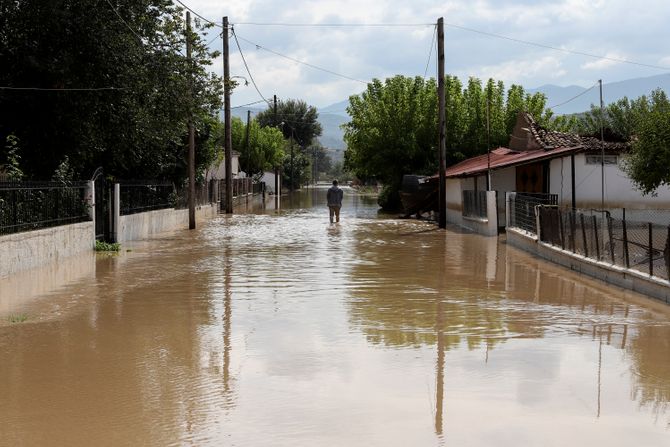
(278, 328)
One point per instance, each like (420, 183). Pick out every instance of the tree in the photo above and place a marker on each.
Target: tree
(295, 118)
(393, 127)
(138, 128)
(647, 164)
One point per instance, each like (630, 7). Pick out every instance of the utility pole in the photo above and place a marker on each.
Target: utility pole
(277, 179)
(602, 150)
(442, 207)
(191, 135)
(228, 136)
(488, 144)
(246, 144)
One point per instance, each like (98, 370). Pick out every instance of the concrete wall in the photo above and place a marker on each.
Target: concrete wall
(145, 225)
(619, 276)
(620, 192)
(22, 251)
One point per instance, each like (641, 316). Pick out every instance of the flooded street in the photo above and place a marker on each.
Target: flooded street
(277, 328)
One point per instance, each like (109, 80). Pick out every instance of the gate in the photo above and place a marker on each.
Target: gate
(103, 206)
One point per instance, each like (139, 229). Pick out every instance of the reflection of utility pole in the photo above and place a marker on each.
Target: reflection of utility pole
(277, 182)
(439, 381)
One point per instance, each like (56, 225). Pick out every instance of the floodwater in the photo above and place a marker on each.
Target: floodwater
(277, 328)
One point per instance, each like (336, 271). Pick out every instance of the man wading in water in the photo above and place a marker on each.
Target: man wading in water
(334, 201)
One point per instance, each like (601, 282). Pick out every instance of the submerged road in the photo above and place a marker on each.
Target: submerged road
(277, 328)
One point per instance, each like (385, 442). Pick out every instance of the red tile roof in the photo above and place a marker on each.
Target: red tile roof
(544, 144)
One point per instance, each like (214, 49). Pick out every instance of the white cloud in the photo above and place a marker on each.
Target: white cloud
(601, 64)
(583, 25)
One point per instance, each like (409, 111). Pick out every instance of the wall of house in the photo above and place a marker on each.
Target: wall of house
(269, 179)
(219, 171)
(503, 180)
(22, 251)
(454, 197)
(620, 192)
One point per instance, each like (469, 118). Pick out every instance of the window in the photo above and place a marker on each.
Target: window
(594, 159)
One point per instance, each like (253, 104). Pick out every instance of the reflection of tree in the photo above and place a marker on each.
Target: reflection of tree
(649, 350)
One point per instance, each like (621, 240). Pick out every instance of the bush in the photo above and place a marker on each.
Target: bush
(389, 198)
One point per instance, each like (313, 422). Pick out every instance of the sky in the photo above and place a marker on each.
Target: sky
(619, 29)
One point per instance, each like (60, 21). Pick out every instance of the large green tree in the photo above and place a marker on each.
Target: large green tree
(137, 47)
(260, 148)
(393, 127)
(296, 120)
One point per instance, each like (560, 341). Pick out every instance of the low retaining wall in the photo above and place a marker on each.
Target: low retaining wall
(612, 274)
(22, 251)
(139, 226)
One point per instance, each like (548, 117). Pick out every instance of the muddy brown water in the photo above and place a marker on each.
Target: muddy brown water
(277, 328)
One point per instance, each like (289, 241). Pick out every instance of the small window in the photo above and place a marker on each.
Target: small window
(594, 159)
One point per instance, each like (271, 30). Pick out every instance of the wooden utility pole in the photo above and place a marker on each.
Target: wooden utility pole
(246, 144)
(442, 207)
(191, 136)
(277, 180)
(228, 136)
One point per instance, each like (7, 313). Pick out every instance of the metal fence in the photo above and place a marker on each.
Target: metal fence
(596, 234)
(146, 195)
(241, 187)
(474, 204)
(522, 208)
(26, 206)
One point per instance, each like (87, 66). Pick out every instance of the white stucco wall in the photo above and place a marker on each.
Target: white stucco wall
(269, 179)
(145, 225)
(22, 251)
(620, 192)
(503, 181)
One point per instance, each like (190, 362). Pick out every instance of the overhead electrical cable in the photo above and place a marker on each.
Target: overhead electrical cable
(198, 15)
(83, 89)
(249, 104)
(549, 47)
(247, 67)
(574, 97)
(335, 25)
(125, 23)
(430, 52)
(260, 47)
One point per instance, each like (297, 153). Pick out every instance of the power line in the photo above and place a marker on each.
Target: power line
(198, 15)
(430, 52)
(249, 104)
(260, 47)
(574, 97)
(125, 23)
(247, 67)
(95, 89)
(335, 25)
(549, 47)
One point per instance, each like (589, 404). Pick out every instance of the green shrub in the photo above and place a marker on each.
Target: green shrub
(105, 246)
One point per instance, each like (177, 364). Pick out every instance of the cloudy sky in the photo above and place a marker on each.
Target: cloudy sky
(619, 29)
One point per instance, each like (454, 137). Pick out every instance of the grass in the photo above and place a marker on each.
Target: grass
(105, 246)
(19, 318)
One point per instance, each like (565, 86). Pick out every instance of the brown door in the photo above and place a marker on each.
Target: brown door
(530, 178)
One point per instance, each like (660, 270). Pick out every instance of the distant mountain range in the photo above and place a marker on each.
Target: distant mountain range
(632, 88)
(565, 100)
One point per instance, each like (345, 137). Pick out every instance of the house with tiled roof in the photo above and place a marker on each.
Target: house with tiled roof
(565, 167)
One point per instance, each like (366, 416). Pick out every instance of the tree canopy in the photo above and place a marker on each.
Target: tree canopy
(133, 53)
(394, 131)
(295, 119)
(260, 148)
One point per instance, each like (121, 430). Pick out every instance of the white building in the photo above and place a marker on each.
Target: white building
(543, 161)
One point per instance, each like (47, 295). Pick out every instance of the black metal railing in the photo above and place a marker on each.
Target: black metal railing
(596, 234)
(474, 204)
(26, 206)
(522, 209)
(139, 196)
